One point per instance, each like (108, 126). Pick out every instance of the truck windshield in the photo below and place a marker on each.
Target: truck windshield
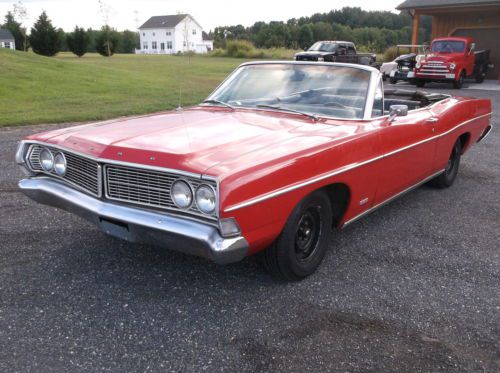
(323, 47)
(333, 91)
(448, 46)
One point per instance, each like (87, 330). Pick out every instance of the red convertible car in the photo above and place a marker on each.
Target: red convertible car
(274, 160)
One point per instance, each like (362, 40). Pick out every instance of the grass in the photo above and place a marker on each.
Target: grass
(65, 88)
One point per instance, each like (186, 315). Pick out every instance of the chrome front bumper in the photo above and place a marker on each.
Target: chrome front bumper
(137, 225)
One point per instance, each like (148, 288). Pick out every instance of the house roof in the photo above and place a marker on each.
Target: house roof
(416, 4)
(5, 34)
(205, 36)
(164, 21)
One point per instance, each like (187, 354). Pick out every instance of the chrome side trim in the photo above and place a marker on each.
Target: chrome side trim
(390, 199)
(341, 170)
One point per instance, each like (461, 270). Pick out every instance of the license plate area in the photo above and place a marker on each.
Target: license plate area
(115, 228)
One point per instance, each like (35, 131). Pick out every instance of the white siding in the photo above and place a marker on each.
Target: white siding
(10, 44)
(186, 32)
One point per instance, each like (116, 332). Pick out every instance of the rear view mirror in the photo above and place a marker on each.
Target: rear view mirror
(397, 111)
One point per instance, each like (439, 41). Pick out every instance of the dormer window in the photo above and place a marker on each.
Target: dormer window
(194, 31)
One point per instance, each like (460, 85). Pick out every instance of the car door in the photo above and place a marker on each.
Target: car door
(408, 145)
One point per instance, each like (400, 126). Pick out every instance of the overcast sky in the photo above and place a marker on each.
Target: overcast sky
(129, 14)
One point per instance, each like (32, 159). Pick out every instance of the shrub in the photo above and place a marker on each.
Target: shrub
(78, 41)
(390, 54)
(106, 41)
(239, 48)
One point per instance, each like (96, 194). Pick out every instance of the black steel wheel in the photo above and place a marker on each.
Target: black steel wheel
(420, 83)
(301, 246)
(446, 179)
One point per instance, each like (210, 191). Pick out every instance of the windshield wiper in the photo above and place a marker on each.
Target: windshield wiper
(218, 102)
(312, 116)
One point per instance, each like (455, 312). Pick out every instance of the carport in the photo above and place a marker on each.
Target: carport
(479, 19)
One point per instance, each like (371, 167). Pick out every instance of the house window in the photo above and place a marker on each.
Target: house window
(154, 45)
(185, 44)
(154, 34)
(6, 44)
(143, 34)
(145, 45)
(169, 33)
(162, 46)
(194, 31)
(169, 45)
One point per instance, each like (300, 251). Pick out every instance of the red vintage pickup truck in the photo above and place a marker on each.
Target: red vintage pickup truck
(452, 59)
(275, 159)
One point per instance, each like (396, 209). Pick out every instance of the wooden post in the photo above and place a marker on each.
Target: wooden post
(415, 26)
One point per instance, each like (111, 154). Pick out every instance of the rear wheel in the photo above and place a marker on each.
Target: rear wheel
(480, 75)
(457, 84)
(447, 178)
(301, 246)
(419, 83)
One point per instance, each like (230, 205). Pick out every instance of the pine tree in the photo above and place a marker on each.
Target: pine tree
(106, 41)
(78, 41)
(44, 38)
(16, 30)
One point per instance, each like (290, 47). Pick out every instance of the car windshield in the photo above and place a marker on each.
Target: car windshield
(323, 47)
(332, 91)
(448, 46)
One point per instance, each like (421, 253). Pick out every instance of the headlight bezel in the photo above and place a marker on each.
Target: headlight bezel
(172, 194)
(214, 194)
(453, 66)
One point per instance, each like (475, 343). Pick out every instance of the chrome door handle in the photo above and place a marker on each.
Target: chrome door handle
(432, 120)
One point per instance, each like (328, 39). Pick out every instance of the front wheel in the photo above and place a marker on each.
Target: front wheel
(457, 84)
(446, 179)
(301, 246)
(420, 83)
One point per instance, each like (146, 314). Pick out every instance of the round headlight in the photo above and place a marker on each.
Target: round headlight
(182, 194)
(47, 160)
(417, 65)
(205, 199)
(60, 164)
(452, 66)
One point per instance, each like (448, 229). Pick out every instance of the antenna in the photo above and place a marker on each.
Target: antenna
(179, 107)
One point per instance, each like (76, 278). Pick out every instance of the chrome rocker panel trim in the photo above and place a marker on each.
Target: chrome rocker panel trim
(143, 226)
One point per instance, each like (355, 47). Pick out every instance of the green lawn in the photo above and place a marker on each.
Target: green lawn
(35, 89)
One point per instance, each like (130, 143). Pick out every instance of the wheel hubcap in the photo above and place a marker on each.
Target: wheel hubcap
(307, 236)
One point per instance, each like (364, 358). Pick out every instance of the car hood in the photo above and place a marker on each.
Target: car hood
(199, 139)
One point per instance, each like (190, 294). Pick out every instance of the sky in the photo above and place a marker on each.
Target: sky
(129, 14)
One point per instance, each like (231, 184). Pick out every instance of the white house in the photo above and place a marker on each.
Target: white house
(6, 39)
(173, 34)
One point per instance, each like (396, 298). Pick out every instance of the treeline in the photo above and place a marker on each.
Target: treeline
(370, 30)
(47, 40)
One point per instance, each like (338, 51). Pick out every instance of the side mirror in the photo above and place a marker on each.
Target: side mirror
(397, 111)
(472, 48)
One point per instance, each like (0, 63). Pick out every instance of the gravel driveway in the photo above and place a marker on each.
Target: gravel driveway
(413, 286)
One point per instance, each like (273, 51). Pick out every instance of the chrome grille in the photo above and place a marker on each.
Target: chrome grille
(81, 172)
(145, 187)
(434, 69)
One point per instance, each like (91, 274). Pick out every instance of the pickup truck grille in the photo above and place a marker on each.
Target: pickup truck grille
(81, 172)
(434, 68)
(145, 187)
